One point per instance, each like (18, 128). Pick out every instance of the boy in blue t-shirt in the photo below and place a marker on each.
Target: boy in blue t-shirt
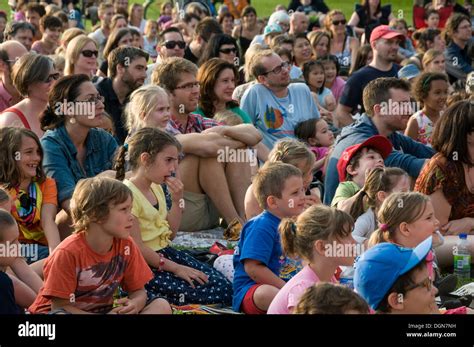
(279, 191)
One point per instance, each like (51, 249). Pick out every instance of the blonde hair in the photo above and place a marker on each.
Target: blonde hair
(270, 180)
(292, 151)
(148, 26)
(66, 37)
(329, 17)
(73, 51)
(143, 102)
(430, 55)
(318, 222)
(168, 73)
(59, 62)
(396, 209)
(92, 199)
(227, 117)
(251, 51)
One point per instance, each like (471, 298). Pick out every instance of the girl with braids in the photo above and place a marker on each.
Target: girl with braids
(316, 236)
(379, 184)
(153, 159)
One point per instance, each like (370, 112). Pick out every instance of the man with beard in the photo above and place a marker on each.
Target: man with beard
(127, 72)
(387, 111)
(204, 31)
(274, 105)
(10, 51)
(385, 43)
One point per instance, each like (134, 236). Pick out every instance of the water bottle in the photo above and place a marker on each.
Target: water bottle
(462, 258)
(346, 278)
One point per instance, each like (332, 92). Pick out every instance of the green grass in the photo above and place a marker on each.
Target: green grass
(400, 8)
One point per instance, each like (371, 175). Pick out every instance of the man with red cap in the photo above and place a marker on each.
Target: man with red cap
(385, 43)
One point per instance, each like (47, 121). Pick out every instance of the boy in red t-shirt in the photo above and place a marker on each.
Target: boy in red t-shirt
(87, 268)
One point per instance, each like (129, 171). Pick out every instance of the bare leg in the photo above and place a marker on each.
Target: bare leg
(158, 306)
(214, 183)
(64, 222)
(264, 295)
(238, 178)
(37, 267)
(189, 172)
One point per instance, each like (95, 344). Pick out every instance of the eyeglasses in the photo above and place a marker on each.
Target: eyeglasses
(427, 283)
(54, 76)
(172, 44)
(337, 22)
(278, 69)
(189, 86)
(89, 53)
(94, 99)
(228, 50)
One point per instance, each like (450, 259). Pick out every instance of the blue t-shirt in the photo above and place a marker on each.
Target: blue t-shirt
(322, 96)
(352, 93)
(274, 117)
(260, 241)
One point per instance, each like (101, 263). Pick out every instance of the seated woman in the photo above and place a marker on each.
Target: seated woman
(33, 76)
(368, 16)
(221, 46)
(74, 147)
(81, 56)
(342, 45)
(448, 177)
(217, 79)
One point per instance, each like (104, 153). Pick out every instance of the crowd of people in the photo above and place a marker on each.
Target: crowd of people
(336, 154)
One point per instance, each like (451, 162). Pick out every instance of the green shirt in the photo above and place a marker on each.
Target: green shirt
(344, 191)
(237, 110)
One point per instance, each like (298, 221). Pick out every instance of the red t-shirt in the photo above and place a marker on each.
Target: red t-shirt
(75, 272)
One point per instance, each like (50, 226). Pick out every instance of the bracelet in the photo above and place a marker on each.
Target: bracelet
(162, 262)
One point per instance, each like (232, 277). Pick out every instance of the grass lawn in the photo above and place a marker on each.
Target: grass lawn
(400, 8)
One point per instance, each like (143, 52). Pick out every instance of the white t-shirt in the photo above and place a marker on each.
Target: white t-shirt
(364, 226)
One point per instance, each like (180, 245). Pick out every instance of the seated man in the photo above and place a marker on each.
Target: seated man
(210, 182)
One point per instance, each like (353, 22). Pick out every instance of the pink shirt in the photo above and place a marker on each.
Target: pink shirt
(5, 98)
(337, 88)
(288, 296)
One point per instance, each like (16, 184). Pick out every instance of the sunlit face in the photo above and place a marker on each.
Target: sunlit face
(86, 65)
(464, 31)
(135, 74)
(438, 64)
(324, 136)
(52, 35)
(160, 115)
(225, 85)
(33, 18)
(316, 77)
(250, 19)
(330, 72)
(302, 50)
(186, 96)
(423, 227)
(40, 89)
(291, 202)
(92, 113)
(387, 49)
(164, 165)
(437, 95)
(322, 47)
(119, 221)
(397, 118)
(228, 52)
(120, 23)
(30, 158)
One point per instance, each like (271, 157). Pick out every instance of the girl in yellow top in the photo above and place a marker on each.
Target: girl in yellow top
(34, 196)
(178, 277)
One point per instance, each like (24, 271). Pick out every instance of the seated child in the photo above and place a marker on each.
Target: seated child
(395, 279)
(99, 258)
(353, 166)
(316, 134)
(227, 117)
(315, 231)
(292, 152)
(330, 298)
(279, 190)
(157, 209)
(34, 196)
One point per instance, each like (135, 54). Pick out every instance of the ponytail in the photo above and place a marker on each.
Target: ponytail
(287, 231)
(50, 119)
(379, 236)
(357, 207)
(119, 166)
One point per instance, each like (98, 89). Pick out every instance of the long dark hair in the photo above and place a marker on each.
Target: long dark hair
(215, 44)
(207, 76)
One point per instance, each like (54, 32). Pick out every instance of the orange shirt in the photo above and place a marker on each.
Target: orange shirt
(75, 272)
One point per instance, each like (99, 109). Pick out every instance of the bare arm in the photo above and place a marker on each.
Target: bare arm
(441, 206)
(354, 46)
(245, 133)
(252, 208)
(206, 144)
(343, 116)
(24, 295)
(353, 23)
(10, 119)
(345, 205)
(412, 129)
(262, 274)
(21, 269)
(48, 214)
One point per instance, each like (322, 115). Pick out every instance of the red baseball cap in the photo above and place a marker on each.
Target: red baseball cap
(379, 142)
(385, 32)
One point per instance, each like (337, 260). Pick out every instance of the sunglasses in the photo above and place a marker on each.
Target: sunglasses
(228, 50)
(172, 44)
(52, 77)
(337, 22)
(89, 53)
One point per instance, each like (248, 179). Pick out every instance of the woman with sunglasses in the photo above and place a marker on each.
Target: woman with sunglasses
(74, 145)
(81, 56)
(342, 45)
(221, 46)
(33, 75)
